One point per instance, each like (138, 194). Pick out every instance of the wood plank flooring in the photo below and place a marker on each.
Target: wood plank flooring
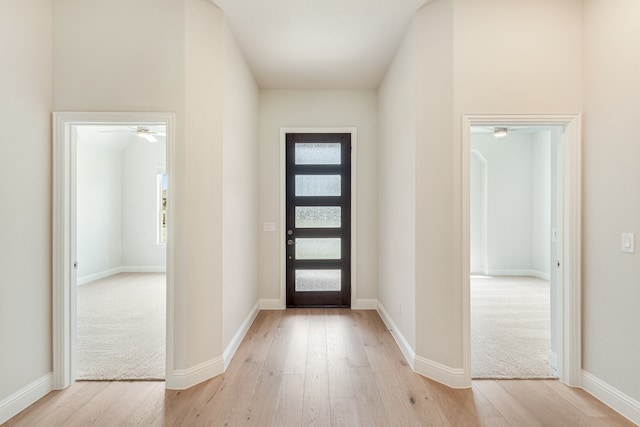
(330, 367)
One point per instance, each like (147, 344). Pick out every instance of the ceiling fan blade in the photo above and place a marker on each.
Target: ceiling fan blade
(150, 138)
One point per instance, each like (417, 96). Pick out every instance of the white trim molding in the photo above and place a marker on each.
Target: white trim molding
(26, 396)
(612, 397)
(117, 270)
(408, 352)
(231, 349)
(365, 304)
(99, 275)
(451, 377)
(64, 239)
(181, 379)
(524, 273)
(569, 344)
(144, 269)
(272, 304)
(283, 203)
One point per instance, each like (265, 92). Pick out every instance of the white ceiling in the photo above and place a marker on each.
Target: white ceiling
(319, 44)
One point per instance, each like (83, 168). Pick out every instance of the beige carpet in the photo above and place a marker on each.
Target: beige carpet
(510, 328)
(121, 328)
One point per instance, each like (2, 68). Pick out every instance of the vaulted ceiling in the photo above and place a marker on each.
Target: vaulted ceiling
(319, 44)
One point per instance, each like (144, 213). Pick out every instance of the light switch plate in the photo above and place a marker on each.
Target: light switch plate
(269, 226)
(628, 243)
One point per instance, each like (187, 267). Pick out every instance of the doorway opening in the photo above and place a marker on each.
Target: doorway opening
(121, 229)
(513, 251)
(104, 162)
(567, 263)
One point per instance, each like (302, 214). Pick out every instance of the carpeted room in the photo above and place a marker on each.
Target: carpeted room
(121, 238)
(514, 219)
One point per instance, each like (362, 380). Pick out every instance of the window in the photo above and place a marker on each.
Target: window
(162, 208)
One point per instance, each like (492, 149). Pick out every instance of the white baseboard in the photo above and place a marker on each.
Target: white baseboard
(405, 348)
(534, 273)
(553, 359)
(451, 377)
(122, 269)
(617, 400)
(272, 304)
(23, 398)
(181, 379)
(365, 304)
(541, 275)
(97, 276)
(144, 269)
(231, 349)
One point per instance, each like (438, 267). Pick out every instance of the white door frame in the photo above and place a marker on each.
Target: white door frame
(569, 227)
(64, 230)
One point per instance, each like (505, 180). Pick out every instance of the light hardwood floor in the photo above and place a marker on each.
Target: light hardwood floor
(319, 367)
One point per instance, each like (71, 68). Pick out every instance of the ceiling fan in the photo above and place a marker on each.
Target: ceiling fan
(502, 131)
(142, 132)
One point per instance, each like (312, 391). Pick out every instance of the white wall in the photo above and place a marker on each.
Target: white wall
(117, 204)
(509, 201)
(522, 83)
(316, 108)
(99, 209)
(25, 171)
(456, 67)
(105, 60)
(397, 190)
(611, 348)
(518, 198)
(202, 185)
(141, 164)
(434, 197)
(240, 197)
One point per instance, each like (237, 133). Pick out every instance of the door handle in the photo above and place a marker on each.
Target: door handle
(291, 242)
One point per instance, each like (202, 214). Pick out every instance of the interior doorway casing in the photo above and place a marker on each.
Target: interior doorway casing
(64, 273)
(569, 225)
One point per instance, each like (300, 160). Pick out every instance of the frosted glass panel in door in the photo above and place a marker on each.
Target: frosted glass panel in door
(318, 185)
(317, 154)
(318, 280)
(318, 248)
(318, 216)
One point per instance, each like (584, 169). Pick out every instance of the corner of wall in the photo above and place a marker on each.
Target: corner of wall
(181, 379)
(451, 377)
